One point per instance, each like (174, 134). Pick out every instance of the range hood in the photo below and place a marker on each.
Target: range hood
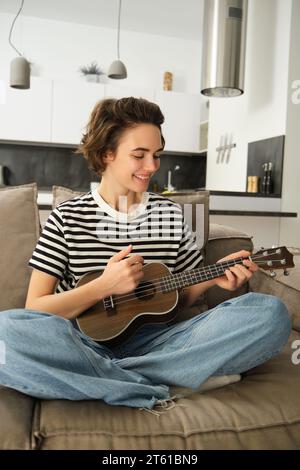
(224, 46)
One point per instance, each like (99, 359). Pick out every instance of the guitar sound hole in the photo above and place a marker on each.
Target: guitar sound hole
(145, 290)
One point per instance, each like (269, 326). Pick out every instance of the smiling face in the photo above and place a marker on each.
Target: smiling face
(135, 161)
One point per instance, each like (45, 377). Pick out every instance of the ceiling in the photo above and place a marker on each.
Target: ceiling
(178, 18)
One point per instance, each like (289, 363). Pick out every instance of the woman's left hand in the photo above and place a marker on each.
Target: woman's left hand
(237, 275)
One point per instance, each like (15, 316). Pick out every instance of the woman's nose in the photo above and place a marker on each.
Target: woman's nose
(151, 165)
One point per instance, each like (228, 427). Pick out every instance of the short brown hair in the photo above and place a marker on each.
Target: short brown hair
(108, 120)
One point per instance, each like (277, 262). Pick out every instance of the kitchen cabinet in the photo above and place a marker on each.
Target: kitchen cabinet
(25, 115)
(73, 102)
(182, 112)
(57, 111)
(227, 168)
(120, 91)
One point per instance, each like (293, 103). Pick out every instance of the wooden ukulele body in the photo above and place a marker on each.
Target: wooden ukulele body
(146, 304)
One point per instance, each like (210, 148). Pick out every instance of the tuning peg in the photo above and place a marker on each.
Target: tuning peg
(272, 274)
(285, 272)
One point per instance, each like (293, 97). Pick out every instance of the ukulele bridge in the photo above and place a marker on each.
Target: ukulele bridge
(108, 304)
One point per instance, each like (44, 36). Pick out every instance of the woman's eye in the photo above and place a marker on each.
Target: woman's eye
(142, 156)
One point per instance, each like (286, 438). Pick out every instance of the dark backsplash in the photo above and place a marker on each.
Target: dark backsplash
(264, 151)
(48, 166)
(191, 175)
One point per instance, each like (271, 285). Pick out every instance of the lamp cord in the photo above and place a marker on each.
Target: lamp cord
(118, 41)
(11, 29)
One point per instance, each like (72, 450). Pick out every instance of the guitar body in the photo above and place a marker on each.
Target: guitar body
(146, 304)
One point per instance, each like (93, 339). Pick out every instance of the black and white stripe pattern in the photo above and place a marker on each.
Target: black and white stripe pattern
(82, 234)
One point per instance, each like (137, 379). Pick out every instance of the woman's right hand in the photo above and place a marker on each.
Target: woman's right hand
(122, 275)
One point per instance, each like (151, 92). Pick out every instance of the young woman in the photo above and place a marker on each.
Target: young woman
(119, 227)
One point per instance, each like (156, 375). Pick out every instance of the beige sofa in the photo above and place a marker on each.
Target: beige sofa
(262, 411)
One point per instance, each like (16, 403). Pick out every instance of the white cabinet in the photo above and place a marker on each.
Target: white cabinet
(25, 115)
(182, 113)
(227, 168)
(119, 91)
(72, 105)
(57, 111)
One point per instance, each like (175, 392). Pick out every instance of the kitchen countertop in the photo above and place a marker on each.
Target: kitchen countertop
(243, 194)
(253, 213)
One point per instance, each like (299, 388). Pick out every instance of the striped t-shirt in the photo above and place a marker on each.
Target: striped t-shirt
(83, 233)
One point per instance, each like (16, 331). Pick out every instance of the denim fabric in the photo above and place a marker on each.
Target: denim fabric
(48, 358)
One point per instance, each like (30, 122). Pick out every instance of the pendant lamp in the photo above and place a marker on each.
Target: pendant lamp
(19, 66)
(117, 70)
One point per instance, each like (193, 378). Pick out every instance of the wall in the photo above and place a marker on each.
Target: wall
(58, 49)
(290, 228)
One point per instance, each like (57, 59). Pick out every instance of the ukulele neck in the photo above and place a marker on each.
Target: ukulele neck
(195, 276)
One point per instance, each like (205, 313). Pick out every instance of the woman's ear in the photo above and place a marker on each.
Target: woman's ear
(108, 157)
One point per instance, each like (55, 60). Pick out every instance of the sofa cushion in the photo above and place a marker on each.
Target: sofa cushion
(16, 411)
(19, 221)
(223, 241)
(285, 287)
(251, 414)
(61, 194)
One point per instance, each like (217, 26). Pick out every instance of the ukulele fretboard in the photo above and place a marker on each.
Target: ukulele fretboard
(195, 276)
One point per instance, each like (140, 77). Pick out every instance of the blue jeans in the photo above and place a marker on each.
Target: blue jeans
(48, 358)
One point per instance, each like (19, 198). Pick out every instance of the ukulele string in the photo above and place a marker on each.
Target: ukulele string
(213, 269)
(145, 290)
(132, 296)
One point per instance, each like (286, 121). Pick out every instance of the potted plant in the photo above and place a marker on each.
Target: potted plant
(92, 72)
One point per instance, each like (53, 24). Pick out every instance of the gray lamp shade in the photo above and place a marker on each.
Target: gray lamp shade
(20, 73)
(224, 46)
(117, 70)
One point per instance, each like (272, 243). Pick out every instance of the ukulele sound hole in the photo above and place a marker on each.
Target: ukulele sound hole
(145, 291)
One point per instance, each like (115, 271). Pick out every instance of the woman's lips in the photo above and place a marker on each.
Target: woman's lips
(142, 178)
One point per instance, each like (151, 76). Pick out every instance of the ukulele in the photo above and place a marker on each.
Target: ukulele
(114, 319)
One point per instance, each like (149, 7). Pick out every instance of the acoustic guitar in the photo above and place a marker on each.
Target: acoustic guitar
(114, 319)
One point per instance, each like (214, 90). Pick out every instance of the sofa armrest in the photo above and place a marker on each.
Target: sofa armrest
(281, 287)
(222, 241)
